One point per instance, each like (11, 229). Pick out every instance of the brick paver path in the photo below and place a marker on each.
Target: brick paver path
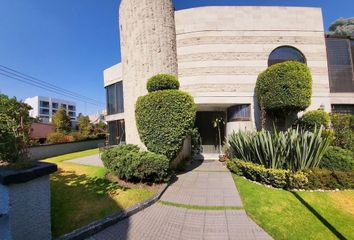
(209, 184)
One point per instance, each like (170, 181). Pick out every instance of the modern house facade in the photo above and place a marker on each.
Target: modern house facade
(218, 53)
(45, 107)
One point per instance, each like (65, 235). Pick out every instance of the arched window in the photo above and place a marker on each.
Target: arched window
(285, 53)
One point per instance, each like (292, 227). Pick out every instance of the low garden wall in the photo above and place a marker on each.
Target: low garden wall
(52, 150)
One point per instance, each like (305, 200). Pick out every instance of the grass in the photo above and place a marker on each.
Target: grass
(197, 207)
(80, 194)
(299, 215)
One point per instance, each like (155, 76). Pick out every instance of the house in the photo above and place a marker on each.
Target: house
(218, 53)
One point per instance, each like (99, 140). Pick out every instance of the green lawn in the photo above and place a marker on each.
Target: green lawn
(303, 215)
(81, 195)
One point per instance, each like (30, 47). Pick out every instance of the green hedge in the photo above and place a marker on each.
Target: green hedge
(337, 158)
(310, 179)
(284, 87)
(278, 178)
(162, 82)
(129, 163)
(315, 118)
(164, 119)
(343, 126)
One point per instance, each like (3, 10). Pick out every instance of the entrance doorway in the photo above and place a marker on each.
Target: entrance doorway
(209, 134)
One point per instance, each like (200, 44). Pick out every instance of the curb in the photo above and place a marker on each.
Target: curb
(97, 226)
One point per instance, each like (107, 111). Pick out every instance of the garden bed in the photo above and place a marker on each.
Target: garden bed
(81, 194)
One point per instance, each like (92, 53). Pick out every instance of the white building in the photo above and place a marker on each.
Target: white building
(45, 107)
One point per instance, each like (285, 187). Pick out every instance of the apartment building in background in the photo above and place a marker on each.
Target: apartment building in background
(44, 108)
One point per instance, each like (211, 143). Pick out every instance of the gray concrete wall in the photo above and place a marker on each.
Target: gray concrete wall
(25, 210)
(42, 152)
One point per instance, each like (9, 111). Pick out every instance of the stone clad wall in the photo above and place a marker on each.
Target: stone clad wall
(222, 50)
(148, 46)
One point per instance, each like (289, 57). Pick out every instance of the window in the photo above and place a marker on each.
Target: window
(55, 105)
(71, 114)
(340, 67)
(343, 108)
(115, 101)
(44, 104)
(44, 111)
(63, 106)
(71, 108)
(240, 112)
(285, 53)
(54, 111)
(116, 130)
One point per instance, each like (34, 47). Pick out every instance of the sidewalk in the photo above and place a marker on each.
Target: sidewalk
(202, 204)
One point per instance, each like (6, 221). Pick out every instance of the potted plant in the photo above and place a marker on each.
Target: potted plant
(218, 123)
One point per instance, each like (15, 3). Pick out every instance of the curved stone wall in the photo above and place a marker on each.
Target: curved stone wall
(148, 47)
(221, 51)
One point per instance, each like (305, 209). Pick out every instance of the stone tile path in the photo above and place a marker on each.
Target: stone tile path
(93, 160)
(209, 184)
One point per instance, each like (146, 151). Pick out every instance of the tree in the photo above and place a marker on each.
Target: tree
(84, 125)
(62, 121)
(342, 27)
(15, 129)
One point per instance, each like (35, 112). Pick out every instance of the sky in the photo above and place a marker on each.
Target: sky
(69, 43)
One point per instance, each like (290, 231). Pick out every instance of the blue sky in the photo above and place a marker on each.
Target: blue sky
(70, 42)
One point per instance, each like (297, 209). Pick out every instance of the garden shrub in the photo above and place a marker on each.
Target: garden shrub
(58, 137)
(278, 178)
(284, 87)
(327, 179)
(343, 126)
(295, 149)
(162, 82)
(77, 136)
(129, 163)
(312, 119)
(337, 158)
(164, 120)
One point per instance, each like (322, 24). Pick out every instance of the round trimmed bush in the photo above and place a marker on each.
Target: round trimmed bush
(162, 82)
(312, 119)
(284, 87)
(337, 158)
(164, 120)
(129, 163)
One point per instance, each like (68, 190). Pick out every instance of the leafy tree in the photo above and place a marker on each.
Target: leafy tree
(342, 27)
(62, 121)
(15, 129)
(84, 125)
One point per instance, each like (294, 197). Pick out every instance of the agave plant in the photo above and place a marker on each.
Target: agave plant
(294, 149)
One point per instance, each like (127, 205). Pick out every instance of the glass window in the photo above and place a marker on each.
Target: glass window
(340, 67)
(55, 105)
(44, 104)
(240, 112)
(72, 114)
(63, 106)
(285, 53)
(71, 108)
(116, 131)
(44, 111)
(115, 101)
(343, 108)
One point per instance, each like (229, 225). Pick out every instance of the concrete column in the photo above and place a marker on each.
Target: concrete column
(148, 46)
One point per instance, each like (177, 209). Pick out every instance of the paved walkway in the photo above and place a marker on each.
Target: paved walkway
(93, 160)
(208, 185)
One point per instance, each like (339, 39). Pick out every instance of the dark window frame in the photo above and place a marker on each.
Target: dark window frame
(272, 60)
(234, 113)
(115, 98)
(116, 130)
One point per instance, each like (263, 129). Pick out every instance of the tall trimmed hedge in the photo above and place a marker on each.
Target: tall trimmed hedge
(162, 82)
(164, 119)
(284, 87)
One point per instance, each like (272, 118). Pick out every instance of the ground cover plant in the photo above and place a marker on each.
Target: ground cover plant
(81, 194)
(165, 116)
(299, 215)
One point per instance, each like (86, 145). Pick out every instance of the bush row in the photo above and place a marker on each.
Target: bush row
(58, 137)
(279, 178)
(339, 159)
(129, 163)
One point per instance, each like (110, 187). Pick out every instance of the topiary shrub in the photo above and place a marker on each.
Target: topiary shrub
(343, 126)
(284, 88)
(337, 158)
(312, 119)
(162, 82)
(164, 120)
(129, 163)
